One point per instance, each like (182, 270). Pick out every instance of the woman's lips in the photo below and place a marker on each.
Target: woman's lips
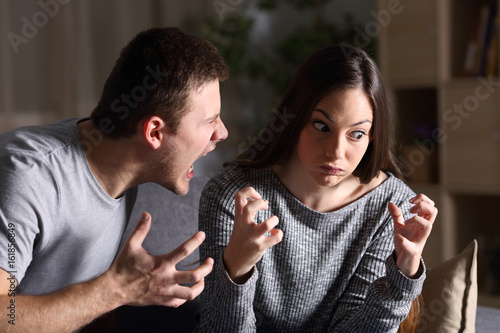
(331, 170)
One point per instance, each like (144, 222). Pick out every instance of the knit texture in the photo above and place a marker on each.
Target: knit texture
(332, 272)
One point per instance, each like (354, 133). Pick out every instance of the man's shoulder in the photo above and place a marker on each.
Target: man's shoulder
(25, 152)
(40, 139)
(32, 142)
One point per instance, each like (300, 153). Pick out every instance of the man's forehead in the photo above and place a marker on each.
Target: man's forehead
(203, 103)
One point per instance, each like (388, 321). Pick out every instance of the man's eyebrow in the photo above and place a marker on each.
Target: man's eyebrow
(327, 116)
(214, 117)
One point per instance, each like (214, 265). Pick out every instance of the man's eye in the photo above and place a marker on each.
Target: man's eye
(357, 135)
(320, 126)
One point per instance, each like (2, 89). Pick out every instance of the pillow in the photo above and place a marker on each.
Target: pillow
(450, 294)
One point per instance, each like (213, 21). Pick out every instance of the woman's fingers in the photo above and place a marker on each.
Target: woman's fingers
(267, 225)
(243, 196)
(424, 207)
(396, 214)
(421, 198)
(248, 202)
(275, 238)
(421, 224)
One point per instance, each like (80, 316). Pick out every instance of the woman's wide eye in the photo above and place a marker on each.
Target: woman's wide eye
(320, 126)
(357, 135)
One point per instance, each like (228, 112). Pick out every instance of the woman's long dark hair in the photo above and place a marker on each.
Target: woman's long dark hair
(334, 68)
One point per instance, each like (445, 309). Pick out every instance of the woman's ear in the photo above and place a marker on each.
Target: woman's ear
(154, 131)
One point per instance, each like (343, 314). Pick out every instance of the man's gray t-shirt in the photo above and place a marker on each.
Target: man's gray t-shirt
(64, 227)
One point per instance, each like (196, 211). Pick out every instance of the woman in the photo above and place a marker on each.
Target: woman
(314, 231)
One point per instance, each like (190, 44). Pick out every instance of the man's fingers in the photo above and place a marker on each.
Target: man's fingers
(181, 293)
(141, 231)
(195, 275)
(185, 249)
(396, 214)
(174, 302)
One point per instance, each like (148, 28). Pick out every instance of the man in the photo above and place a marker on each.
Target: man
(67, 189)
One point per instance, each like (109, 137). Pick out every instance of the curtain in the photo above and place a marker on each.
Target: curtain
(55, 55)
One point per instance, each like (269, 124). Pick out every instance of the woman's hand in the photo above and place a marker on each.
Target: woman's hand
(248, 240)
(410, 235)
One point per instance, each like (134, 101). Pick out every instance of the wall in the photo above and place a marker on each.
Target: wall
(55, 55)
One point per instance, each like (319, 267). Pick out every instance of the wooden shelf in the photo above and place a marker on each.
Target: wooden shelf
(422, 55)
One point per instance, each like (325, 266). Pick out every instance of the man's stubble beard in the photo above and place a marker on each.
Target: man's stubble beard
(162, 169)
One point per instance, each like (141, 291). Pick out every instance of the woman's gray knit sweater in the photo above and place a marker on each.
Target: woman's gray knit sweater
(332, 272)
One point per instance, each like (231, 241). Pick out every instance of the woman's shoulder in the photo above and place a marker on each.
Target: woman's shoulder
(397, 183)
(395, 188)
(230, 178)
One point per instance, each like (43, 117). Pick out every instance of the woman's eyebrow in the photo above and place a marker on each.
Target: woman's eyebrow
(361, 122)
(327, 116)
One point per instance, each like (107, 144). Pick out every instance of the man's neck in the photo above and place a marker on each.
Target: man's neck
(110, 160)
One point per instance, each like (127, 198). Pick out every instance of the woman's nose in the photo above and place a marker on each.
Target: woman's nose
(335, 148)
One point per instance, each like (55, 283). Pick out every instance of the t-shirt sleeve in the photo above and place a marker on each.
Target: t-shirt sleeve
(226, 306)
(26, 196)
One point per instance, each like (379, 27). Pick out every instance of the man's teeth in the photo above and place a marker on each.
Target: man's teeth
(191, 168)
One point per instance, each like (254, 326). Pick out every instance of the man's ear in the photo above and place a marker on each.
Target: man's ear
(154, 131)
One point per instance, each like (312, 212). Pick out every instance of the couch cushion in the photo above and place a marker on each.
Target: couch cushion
(450, 294)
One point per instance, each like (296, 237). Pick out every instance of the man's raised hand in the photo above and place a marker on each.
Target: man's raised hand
(144, 279)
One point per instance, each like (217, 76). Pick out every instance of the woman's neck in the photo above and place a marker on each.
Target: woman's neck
(322, 198)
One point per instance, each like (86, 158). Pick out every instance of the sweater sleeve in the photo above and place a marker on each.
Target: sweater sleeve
(379, 295)
(226, 306)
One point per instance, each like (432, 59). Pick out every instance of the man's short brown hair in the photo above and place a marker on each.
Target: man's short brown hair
(155, 75)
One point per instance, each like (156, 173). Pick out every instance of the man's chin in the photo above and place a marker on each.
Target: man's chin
(178, 189)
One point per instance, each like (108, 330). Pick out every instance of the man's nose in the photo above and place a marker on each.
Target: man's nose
(220, 132)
